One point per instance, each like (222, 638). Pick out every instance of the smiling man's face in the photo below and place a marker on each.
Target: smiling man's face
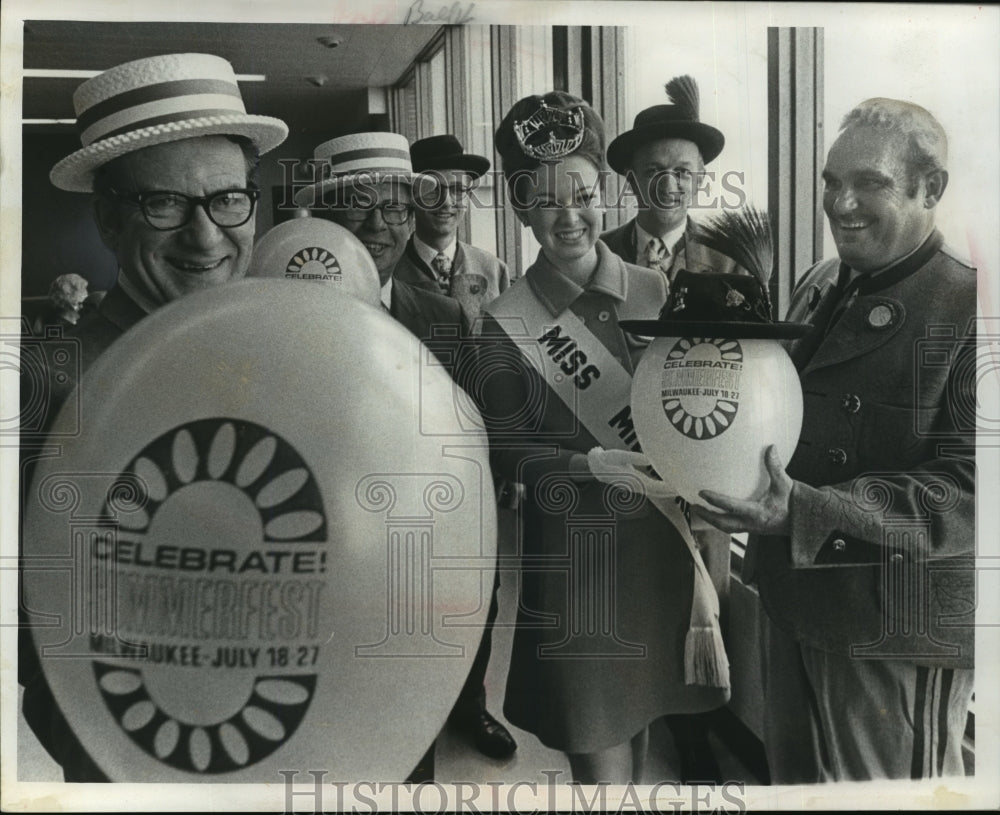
(664, 176)
(441, 201)
(384, 241)
(198, 255)
(878, 212)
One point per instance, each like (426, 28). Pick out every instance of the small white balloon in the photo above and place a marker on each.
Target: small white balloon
(705, 410)
(317, 250)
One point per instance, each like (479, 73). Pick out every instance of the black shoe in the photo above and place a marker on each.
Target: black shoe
(490, 737)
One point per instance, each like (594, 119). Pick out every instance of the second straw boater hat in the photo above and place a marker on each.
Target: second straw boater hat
(157, 100)
(343, 160)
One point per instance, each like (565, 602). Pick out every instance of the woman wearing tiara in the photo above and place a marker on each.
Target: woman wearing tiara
(606, 579)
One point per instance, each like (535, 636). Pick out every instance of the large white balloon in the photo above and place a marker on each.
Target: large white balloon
(318, 250)
(265, 563)
(705, 410)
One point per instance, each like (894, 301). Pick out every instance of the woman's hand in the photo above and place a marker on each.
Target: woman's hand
(628, 470)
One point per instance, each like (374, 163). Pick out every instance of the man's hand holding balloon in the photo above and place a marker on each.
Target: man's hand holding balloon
(767, 515)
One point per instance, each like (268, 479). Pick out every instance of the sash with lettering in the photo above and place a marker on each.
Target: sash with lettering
(598, 393)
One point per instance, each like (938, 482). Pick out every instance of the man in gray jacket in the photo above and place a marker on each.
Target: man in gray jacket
(864, 548)
(434, 258)
(663, 157)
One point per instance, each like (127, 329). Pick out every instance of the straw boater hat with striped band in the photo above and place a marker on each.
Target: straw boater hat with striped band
(372, 156)
(156, 100)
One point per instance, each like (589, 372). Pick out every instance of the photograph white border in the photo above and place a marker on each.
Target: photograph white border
(951, 23)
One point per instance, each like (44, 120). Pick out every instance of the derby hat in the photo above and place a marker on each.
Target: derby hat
(446, 153)
(153, 101)
(369, 157)
(679, 120)
(723, 306)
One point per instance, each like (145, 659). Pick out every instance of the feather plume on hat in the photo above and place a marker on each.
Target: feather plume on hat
(682, 91)
(745, 236)
(725, 305)
(678, 120)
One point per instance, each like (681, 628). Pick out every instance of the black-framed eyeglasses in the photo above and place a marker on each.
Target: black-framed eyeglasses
(392, 213)
(432, 196)
(166, 210)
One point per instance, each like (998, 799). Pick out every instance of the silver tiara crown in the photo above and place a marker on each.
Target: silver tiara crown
(537, 137)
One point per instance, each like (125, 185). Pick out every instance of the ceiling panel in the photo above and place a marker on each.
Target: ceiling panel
(368, 56)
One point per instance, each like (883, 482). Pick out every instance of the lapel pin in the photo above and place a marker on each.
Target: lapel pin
(881, 316)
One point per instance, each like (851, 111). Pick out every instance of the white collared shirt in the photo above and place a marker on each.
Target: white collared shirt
(642, 239)
(428, 253)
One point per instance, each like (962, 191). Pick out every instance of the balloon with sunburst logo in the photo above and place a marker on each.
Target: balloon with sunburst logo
(715, 387)
(268, 547)
(317, 250)
(705, 408)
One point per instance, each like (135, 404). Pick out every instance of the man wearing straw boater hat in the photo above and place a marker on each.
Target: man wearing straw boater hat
(366, 186)
(663, 158)
(169, 154)
(434, 258)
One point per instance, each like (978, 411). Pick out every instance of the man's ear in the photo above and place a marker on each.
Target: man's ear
(935, 183)
(108, 219)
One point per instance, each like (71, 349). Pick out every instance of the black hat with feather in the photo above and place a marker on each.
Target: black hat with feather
(725, 306)
(675, 121)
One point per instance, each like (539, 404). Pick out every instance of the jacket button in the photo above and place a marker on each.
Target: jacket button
(837, 455)
(850, 402)
(839, 545)
(604, 316)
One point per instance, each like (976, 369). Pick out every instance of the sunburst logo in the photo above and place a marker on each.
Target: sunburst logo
(313, 263)
(266, 719)
(701, 386)
(220, 552)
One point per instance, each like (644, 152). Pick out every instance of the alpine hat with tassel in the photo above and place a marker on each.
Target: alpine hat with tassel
(725, 305)
(678, 120)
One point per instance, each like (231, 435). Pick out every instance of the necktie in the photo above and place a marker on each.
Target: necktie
(442, 268)
(657, 256)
